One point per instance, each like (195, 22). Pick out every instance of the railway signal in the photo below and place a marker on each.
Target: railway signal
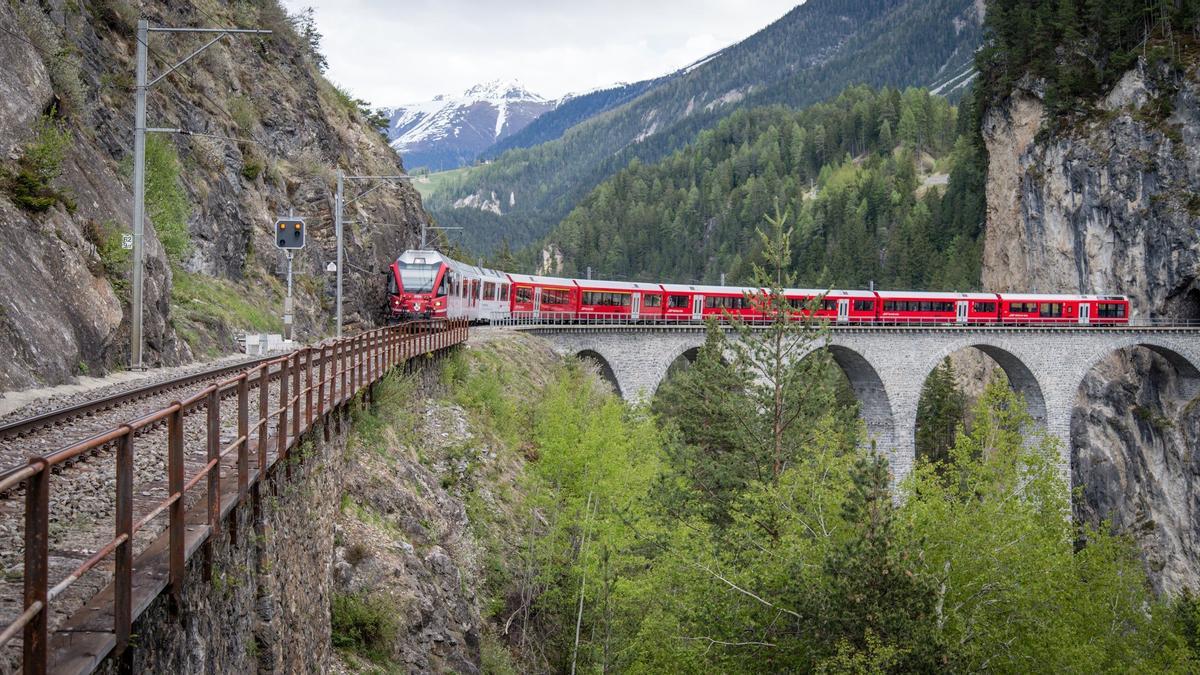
(289, 233)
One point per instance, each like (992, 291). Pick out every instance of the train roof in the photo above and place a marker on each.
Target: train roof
(422, 257)
(833, 293)
(540, 280)
(700, 288)
(1060, 297)
(600, 284)
(932, 295)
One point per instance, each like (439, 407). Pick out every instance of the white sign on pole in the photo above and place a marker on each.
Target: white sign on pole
(127, 241)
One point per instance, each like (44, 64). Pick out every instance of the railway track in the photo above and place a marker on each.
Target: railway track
(43, 433)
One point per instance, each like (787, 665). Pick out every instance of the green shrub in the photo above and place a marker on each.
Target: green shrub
(167, 203)
(40, 163)
(252, 167)
(363, 625)
(115, 261)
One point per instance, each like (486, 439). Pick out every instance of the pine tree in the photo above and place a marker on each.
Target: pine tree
(940, 412)
(880, 597)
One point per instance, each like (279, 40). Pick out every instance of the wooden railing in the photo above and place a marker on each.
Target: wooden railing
(331, 374)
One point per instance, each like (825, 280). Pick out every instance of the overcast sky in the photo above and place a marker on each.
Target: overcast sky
(411, 50)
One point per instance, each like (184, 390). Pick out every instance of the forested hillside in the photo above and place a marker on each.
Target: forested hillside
(812, 53)
(885, 186)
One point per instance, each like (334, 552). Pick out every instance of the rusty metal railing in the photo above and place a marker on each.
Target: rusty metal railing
(313, 382)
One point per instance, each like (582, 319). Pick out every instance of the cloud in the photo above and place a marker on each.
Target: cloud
(400, 52)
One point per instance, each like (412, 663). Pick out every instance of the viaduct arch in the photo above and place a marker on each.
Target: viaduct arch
(887, 367)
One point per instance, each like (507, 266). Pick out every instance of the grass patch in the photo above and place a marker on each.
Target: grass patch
(363, 625)
(202, 304)
(430, 183)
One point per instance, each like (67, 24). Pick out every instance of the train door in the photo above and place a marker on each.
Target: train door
(697, 307)
(636, 306)
(537, 302)
(961, 310)
(843, 310)
(1085, 313)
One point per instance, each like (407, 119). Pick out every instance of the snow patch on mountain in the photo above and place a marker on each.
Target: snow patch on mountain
(451, 131)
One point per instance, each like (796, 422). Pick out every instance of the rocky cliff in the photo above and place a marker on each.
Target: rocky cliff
(1108, 204)
(269, 134)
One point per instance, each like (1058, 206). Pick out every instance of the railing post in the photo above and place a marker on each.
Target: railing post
(123, 574)
(175, 513)
(37, 568)
(296, 397)
(282, 429)
(308, 391)
(321, 392)
(214, 474)
(243, 458)
(264, 418)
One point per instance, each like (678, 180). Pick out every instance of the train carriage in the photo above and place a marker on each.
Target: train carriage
(543, 298)
(1040, 309)
(835, 306)
(619, 300)
(916, 307)
(697, 302)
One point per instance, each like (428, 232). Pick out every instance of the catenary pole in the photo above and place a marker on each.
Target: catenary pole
(137, 313)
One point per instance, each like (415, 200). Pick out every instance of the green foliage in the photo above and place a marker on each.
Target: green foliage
(167, 203)
(1015, 595)
(363, 625)
(861, 211)
(202, 306)
(1079, 47)
(940, 411)
(115, 260)
(30, 187)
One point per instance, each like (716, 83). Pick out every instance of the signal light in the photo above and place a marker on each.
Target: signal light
(290, 237)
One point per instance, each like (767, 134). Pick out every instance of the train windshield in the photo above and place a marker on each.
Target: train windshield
(417, 278)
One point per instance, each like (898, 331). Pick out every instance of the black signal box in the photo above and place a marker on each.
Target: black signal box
(289, 233)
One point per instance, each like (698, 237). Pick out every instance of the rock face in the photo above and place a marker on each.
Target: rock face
(1109, 206)
(276, 132)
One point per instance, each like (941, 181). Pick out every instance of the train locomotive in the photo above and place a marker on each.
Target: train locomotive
(429, 285)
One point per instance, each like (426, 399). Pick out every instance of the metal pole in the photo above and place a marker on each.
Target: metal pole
(139, 197)
(337, 225)
(287, 303)
(424, 227)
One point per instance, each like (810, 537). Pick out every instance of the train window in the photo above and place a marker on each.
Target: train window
(1023, 307)
(503, 292)
(1110, 310)
(985, 307)
(829, 305)
(600, 299)
(489, 290)
(726, 302)
(864, 305)
(652, 300)
(798, 303)
(677, 301)
(556, 296)
(1051, 310)
(524, 294)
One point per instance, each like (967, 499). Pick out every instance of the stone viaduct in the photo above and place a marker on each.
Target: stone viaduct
(888, 366)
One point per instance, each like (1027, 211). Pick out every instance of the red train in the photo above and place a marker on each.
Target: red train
(425, 284)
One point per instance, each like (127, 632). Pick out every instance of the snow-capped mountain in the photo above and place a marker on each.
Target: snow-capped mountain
(449, 132)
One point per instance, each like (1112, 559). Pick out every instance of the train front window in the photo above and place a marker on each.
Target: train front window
(417, 278)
